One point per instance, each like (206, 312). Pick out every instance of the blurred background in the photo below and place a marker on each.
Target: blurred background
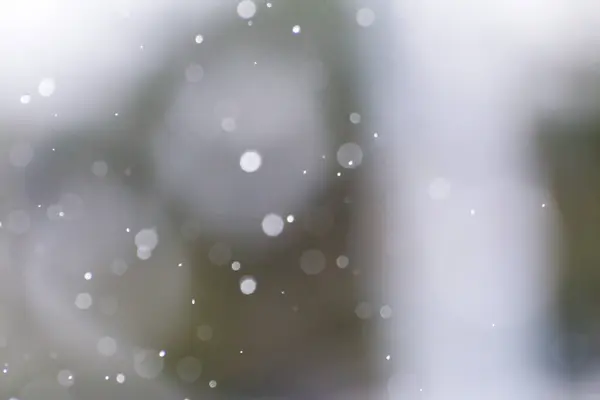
(251, 199)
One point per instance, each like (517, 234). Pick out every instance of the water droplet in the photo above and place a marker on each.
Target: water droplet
(120, 378)
(342, 261)
(147, 363)
(83, 301)
(250, 161)
(199, 39)
(290, 218)
(236, 265)
(100, 169)
(228, 124)
(25, 99)
(386, 312)
(349, 155)
(204, 332)
(363, 310)
(87, 276)
(365, 17)
(246, 9)
(312, 262)
(65, 378)
(272, 225)
(212, 384)
(146, 239)
(189, 369)
(106, 346)
(296, 29)
(118, 267)
(248, 285)
(355, 118)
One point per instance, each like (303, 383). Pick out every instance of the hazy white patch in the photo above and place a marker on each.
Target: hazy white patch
(365, 17)
(107, 346)
(312, 262)
(65, 378)
(147, 363)
(189, 369)
(246, 9)
(83, 301)
(349, 155)
(100, 169)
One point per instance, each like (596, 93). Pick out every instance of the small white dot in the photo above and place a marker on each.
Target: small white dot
(543, 205)
(87, 276)
(116, 114)
(296, 29)
(304, 172)
(376, 135)
(472, 212)
(162, 353)
(25, 99)
(106, 377)
(290, 218)
(212, 384)
(127, 230)
(53, 149)
(388, 357)
(269, 5)
(193, 301)
(241, 351)
(250, 23)
(339, 174)
(493, 325)
(199, 39)
(120, 378)
(180, 265)
(236, 265)
(141, 47)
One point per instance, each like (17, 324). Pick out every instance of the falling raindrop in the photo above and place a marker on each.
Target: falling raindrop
(246, 9)
(248, 285)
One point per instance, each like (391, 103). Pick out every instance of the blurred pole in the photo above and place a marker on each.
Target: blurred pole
(467, 224)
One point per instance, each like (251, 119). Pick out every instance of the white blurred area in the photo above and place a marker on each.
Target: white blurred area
(71, 65)
(476, 281)
(480, 272)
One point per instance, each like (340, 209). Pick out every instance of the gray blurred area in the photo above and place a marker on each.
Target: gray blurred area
(139, 122)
